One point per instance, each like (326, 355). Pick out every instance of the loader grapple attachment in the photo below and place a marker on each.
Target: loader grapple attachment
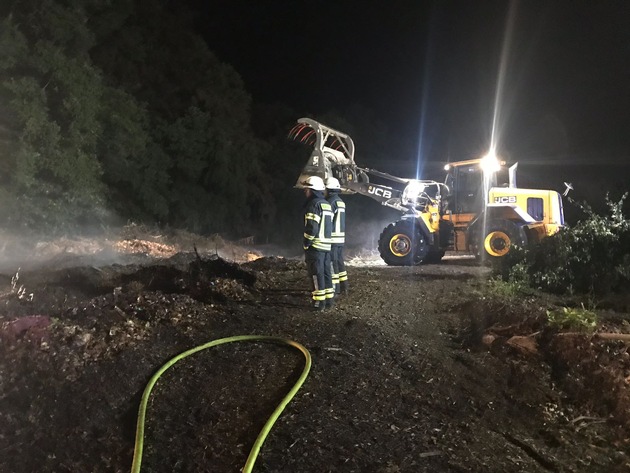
(303, 133)
(333, 151)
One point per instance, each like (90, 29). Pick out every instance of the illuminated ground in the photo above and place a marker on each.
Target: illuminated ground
(398, 382)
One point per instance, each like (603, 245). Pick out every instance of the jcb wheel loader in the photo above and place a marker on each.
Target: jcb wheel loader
(466, 213)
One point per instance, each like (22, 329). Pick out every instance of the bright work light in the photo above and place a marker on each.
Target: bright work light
(489, 163)
(412, 191)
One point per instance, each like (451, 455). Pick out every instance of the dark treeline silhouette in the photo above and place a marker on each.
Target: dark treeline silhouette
(119, 111)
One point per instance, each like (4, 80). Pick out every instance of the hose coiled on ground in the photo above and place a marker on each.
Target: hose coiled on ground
(253, 454)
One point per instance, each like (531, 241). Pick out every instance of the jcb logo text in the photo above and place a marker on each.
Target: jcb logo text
(380, 192)
(506, 199)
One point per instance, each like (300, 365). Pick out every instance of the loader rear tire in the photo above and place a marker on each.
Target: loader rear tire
(402, 244)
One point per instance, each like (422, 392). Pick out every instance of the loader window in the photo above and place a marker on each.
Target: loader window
(535, 208)
(469, 194)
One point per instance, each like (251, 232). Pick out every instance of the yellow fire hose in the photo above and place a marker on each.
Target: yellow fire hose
(253, 454)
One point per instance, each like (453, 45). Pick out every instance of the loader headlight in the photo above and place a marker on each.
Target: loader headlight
(412, 192)
(489, 163)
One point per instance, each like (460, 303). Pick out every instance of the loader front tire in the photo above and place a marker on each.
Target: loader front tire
(402, 244)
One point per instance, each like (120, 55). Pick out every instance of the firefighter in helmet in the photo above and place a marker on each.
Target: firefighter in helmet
(338, 235)
(318, 217)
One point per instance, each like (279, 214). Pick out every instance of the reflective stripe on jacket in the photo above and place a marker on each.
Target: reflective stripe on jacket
(338, 234)
(318, 217)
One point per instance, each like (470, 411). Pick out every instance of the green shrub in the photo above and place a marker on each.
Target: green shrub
(506, 290)
(593, 257)
(578, 319)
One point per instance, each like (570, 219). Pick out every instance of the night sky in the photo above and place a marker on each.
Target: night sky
(429, 70)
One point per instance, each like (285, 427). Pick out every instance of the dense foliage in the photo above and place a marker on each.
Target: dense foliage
(50, 98)
(118, 105)
(592, 257)
(117, 110)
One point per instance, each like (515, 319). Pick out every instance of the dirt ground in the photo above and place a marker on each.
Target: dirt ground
(404, 376)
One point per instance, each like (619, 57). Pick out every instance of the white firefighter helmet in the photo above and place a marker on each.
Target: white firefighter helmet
(314, 182)
(332, 183)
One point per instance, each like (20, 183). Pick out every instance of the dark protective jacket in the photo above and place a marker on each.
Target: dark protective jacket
(338, 234)
(318, 217)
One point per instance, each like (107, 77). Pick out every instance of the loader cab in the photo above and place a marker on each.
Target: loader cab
(467, 189)
(467, 195)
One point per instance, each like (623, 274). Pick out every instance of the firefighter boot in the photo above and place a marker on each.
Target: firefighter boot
(318, 306)
(343, 287)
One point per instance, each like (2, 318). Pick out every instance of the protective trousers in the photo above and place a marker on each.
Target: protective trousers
(339, 274)
(319, 268)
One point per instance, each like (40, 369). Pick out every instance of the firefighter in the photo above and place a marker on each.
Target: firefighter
(318, 217)
(338, 236)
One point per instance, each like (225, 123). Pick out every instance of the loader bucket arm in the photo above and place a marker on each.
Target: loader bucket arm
(333, 156)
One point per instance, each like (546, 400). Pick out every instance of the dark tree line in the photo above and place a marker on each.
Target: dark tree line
(117, 107)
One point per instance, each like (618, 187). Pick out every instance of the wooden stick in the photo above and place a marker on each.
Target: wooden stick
(624, 337)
